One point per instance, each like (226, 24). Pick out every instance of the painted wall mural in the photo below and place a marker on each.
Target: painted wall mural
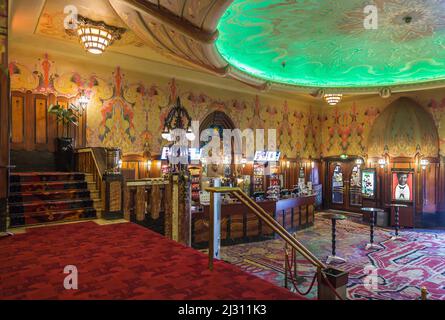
(402, 128)
(344, 131)
(351, 127)
(127, 110)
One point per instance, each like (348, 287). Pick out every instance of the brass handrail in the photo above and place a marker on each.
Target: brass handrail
(266, 218)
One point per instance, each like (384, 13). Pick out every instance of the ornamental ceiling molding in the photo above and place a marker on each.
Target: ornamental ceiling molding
(186, 30)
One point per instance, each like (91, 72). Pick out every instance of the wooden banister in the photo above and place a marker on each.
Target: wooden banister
(263, 216)
(93, 161)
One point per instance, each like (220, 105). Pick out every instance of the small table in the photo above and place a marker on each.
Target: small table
(334, 218)
(396, 207)
(373, 211)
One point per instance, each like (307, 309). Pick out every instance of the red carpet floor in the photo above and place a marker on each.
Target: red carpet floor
(119, 261)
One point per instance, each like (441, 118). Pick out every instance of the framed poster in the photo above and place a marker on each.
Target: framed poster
(369, 182)
(402, 185)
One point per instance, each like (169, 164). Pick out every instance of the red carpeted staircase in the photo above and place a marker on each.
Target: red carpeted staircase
(42, 197)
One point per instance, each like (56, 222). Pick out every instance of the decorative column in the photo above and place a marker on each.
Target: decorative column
(114, 186)
(178, 220)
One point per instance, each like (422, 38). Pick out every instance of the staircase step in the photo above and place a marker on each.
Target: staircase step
(47, 186)
(42, 197)
(89, 177)
(97, 204)
(28, 218)
(44, 206)
(49, 195)
(46, 176)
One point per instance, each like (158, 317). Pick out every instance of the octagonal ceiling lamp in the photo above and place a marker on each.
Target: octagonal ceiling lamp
(96, 36)
(333, 98)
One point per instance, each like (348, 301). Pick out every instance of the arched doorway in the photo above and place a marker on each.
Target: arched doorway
(218, 121)
(403, 135)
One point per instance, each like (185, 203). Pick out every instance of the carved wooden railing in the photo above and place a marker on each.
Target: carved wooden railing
(146, 193)
(93, 161)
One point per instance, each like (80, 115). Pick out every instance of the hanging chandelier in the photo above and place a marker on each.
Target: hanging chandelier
(178, 118)
(333, 99)
(96, 36)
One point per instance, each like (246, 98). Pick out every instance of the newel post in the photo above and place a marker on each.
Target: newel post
(178, 219)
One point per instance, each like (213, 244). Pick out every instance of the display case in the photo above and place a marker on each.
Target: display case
(195, 181)
(368, 183)
(258, 177)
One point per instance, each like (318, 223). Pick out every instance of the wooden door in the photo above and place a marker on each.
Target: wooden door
(338, 185)
(344, 188)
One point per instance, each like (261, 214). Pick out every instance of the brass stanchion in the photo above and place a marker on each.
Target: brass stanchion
(424, 293)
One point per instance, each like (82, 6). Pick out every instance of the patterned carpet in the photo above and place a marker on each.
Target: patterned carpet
(403, 267)
(119, 261)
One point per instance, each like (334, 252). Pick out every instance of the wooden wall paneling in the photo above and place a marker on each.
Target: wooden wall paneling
(63, 103)
(18, 121)
(252, 224)
(29, 122)
(4, 115)
(41, 122)
(430, 185)
(52, 125)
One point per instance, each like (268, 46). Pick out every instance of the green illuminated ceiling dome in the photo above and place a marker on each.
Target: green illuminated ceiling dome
(324, 44)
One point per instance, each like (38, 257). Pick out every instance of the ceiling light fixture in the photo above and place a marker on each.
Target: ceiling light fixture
(96, 36)
(333, 98)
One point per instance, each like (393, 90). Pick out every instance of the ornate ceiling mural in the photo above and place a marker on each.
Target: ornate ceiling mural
(309, 46)
(321, 43)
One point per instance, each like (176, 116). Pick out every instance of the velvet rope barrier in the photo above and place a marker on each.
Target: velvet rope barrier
(294, 275)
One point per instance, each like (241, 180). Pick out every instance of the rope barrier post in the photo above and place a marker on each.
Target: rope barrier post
(211, 229)
(333, 284)
(286, 265)
(424, 293)
(214, 224)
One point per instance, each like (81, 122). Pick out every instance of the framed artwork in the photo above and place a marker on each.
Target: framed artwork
(402, 185)
(369, 182)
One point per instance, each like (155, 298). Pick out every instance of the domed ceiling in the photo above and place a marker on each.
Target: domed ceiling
(323, 43)
(306, 45)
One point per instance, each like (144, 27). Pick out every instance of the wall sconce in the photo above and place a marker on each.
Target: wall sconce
(312, 164)
(288, 164)
(83, 101)
(243, 162)
(424, 163)
(120, 164)
(149, 165)
(382, 163)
